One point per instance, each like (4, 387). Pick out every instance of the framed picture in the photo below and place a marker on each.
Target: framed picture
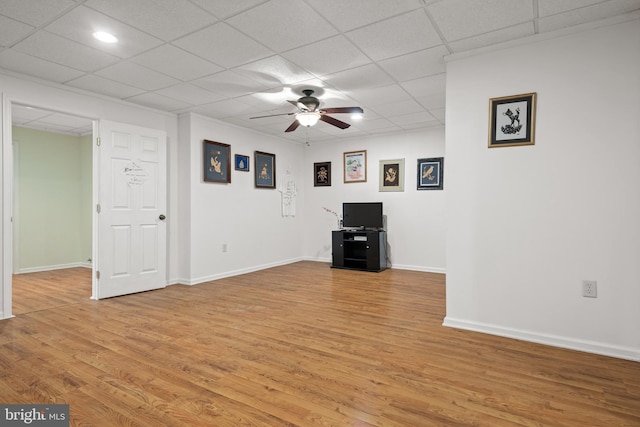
(242, 162)
(391, 175)
(265, 169)
(355, 166)
(512, 120)
(216, 162)
(322, 174)
(430, 173)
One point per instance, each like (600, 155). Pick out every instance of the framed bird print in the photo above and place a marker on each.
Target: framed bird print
(430, 173)
(217, 162)
(391, 175)
(512, 120)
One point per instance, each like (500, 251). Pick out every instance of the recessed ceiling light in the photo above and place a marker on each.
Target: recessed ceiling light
(356, 116)
(105, 37)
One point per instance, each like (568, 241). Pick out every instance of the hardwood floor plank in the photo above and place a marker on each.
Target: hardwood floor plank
(297, 345)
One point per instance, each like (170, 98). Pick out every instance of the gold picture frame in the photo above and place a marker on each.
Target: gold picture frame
(355, 166)
(512, 120)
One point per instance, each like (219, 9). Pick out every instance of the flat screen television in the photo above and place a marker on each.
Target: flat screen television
(362, 215)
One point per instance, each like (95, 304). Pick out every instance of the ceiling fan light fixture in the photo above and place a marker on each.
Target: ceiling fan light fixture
(308, 118)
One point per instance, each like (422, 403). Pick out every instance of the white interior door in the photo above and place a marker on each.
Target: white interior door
(131, 230)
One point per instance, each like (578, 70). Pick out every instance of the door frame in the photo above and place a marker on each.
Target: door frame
(7, 189)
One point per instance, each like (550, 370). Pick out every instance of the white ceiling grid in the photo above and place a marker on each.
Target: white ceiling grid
(234, 59)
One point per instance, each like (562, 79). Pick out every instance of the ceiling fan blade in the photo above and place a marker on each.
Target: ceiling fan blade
(272, 115)
(293, 126)
(335, 122)
(352, 110)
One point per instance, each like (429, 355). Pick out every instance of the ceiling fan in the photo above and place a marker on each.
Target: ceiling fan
(308, 112)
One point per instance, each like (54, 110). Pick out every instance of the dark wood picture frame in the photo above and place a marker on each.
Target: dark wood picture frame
(264, 165)
(322, 174)
(216, 162)
(512, 120)
(431, 173)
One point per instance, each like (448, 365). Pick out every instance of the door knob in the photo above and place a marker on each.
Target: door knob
(162, 217)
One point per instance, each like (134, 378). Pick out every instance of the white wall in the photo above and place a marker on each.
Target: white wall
(247, 219)
(415, 219)
(527, 224)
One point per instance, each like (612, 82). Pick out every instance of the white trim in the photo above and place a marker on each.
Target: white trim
(604, 349)
(422, 268)
(232, 273)
(6, 232)
(53, 267)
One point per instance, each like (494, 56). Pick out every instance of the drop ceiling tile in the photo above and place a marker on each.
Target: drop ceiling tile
(80, 24)
(223, 109)
(433, 101)
(36, 67)
(175, 62)
(226, 8)
(458, 19)
(418, 64)
(419, 118)
(494, 37)
(426, 86)
(165, 19)
(190, 94)
(383, 40)
(367, 76)
(223, 45)
(56, 49)
(66, 120)
(328, 56)
(34, 12)
(356, 13)
(11, 30)
(274, 69)
(230, 84)
(393, 109)
(137, 76)
(159, 102)
(93, 83)
(587, 14)
(552, 7)
(380, 95)
(277, 30)
(23, 113)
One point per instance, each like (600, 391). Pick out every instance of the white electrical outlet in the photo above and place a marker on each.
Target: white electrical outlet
(590, 288)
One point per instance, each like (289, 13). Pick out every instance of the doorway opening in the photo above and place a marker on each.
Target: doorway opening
(52, 208)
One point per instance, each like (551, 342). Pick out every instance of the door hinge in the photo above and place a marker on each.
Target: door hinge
(98, 208)
(98, 274)
(98, 141)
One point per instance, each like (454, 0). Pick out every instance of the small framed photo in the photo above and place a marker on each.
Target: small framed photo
(391, 175)
(355, 166)
(265, 169)
(430, 173)
(242, 162)
(512, 120)
(216, 162)
(322, 174)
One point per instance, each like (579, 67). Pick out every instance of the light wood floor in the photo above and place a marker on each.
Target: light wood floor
(301, 345)
(48, 289)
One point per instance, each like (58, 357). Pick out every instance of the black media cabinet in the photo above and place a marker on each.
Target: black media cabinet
(359, 249)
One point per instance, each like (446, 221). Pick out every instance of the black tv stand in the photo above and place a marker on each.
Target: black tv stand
(359, 249)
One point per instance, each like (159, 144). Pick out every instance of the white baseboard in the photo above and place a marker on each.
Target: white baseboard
(53, 267)
(232, 273)
(425, 269)
(604, 349)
